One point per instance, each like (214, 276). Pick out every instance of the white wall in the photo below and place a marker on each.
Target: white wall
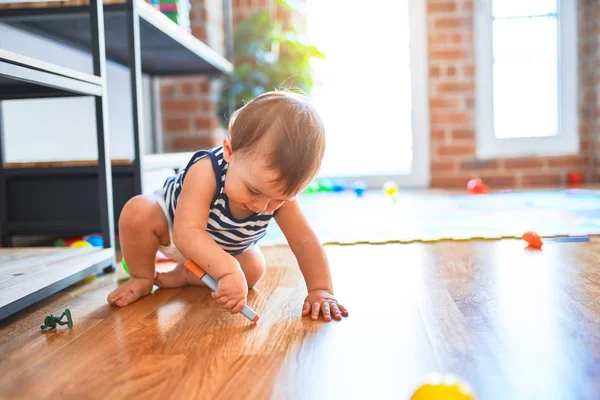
(65, 129)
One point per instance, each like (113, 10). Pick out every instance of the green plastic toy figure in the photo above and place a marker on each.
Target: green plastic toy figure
(51, 320)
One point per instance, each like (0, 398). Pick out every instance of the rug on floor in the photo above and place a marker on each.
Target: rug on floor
(343, 218)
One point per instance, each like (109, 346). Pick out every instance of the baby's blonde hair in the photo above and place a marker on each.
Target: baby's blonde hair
(295, 133)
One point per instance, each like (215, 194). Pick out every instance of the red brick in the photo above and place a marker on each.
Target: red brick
(498, 181)
(451, 70)
(455, 149)
(196, 15)
(437, 39)
(434, 71)
(471, 165)
(442, 7)
(177, 125)
(462, 134)
(203, 123)
(523, 163)
(469, 71)
(180, 106)
(167, 90)
(584, 145)
(448, 55)
(455, 87)
(453, 23)
(438, 134)
(442, 102)
(468, 5)
(187, 89)
(204, 86)
(448, 182)
(470, 103)
(565, 162)
(188, 143)
(208, 106)
(451, 118)
(540, 179)
(443, 166)
(199, 33)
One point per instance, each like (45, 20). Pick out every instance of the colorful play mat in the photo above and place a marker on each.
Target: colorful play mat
(344, 218)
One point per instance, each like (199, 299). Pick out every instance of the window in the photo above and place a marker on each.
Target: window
(372, 89)
(526, 77)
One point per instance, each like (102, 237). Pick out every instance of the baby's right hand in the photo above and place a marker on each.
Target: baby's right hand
(231, 291)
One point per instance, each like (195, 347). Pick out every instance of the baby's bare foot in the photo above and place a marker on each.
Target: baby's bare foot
(130, 291)
(178, 277)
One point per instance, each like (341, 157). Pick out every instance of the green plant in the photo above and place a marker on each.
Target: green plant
(267, 56)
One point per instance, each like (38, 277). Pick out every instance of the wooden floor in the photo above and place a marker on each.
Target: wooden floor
(515, 324)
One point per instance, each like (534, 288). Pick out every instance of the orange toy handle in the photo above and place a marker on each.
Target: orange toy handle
(194, 269)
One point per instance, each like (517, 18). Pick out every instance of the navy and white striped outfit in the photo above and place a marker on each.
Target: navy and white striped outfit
(231, 234)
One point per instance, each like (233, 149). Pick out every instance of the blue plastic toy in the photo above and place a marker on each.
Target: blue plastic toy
(338, 186)
(359, 188)
(95, 240)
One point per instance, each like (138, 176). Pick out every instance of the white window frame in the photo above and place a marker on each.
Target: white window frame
(567, 141)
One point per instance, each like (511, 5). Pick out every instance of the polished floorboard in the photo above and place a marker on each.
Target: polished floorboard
(513, 323)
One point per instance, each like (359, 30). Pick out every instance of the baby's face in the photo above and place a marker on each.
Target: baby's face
(251, 185)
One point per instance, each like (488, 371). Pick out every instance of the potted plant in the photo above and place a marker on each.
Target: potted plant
(267, 56)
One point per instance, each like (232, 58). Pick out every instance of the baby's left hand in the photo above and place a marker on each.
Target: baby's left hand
(320, 301)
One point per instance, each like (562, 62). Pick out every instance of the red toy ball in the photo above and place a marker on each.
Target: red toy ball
(533, 239)
(476, 186)
(575, 178)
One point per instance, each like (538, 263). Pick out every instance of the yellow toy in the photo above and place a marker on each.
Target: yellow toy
(391, 190)
(443, 387)
(80, 243)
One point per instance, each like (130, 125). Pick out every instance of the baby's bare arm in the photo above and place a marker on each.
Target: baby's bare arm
(313, 263)
(306, 247)
(191, 217)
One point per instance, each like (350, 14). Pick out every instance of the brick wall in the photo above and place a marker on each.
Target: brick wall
(452, 104)
(189, 104)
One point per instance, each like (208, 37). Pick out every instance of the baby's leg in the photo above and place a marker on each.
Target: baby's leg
(142, 227)
(253, 264)
(251, 261)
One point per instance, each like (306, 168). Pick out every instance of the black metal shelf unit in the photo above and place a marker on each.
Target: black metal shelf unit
(24, 77)
(137, 36)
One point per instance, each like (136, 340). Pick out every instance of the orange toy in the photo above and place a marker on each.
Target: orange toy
(476, 186)
(443, 387)
(533, 239)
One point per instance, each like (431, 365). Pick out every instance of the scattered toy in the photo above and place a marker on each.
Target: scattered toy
(533, 239)
(312, 187)
(325, 185)
(338, 185)
(476, 186)
(52, 320)
(359, 188)
(443, 387)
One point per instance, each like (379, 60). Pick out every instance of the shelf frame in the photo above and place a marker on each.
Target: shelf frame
(48, 80)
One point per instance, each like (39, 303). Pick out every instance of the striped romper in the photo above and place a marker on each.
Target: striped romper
(231, 234)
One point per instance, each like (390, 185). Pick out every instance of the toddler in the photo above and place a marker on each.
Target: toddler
(217, 208)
